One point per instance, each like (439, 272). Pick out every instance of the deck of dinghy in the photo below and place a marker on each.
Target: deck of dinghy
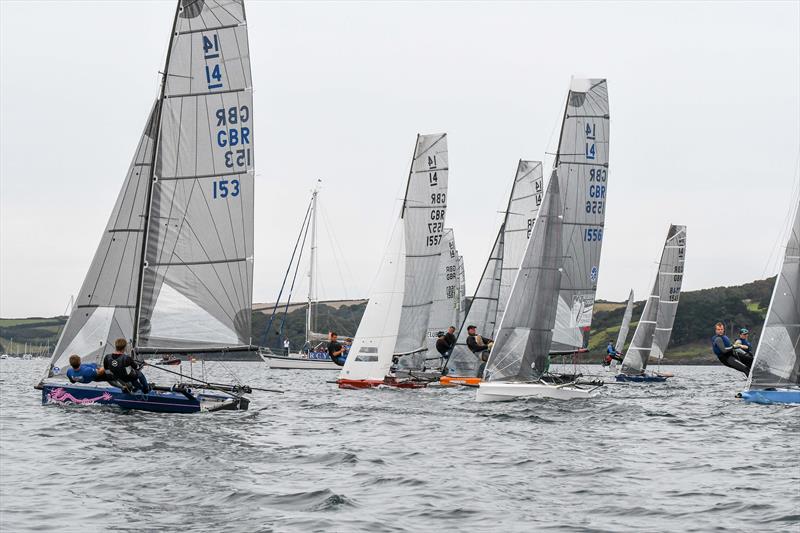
(386, 382)
(771, 396)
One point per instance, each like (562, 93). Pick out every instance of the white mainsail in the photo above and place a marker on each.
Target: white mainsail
(188, 196)
(408, 272)
(582, 163)
(657, 319)
(490, 298)
(777, 359)
(622, 337)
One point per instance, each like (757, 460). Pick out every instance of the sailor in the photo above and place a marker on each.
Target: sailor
(336, 350)
(84, 373)
(286, 345)
(442, 346)
(727, 354)
(450, 336)
(742, 345)
(611, 354)
(480, 346)
(123, 368)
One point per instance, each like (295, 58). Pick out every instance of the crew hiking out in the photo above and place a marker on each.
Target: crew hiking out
(728, 354)
(124, 369)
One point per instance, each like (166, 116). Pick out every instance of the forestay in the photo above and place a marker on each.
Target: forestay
(197, 278)
(582, 164)
(670, 271)
(423, 215)
(526, 329)
(666, 288)
(777, 360)
(625, 326)
(104, 308)
(489, 302)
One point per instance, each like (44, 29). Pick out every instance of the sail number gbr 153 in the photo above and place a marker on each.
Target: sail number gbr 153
(233, 132)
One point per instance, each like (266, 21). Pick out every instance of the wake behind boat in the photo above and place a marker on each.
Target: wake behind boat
(173, 271)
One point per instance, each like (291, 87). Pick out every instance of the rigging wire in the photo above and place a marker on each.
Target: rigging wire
(303, 231)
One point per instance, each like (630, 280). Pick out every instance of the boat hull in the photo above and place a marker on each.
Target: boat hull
(295, 362)
(504, 391)
(454, 381)
(388, 381)
(647, 378)
(771, 396)
(154, 401)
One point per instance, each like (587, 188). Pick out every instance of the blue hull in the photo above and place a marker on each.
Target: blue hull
(648, 378)
(771, 396)
(155, 401)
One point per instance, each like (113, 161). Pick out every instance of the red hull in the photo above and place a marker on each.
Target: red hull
(387, 381)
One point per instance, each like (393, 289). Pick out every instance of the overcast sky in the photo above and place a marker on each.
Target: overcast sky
(705, 128)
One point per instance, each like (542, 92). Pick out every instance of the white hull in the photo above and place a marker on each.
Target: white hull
(298, 361)
(504, 391)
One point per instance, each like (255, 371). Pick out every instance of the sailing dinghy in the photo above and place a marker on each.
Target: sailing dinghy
(314, 355)
(654, 329)
(395, 322)
(491, 295)
(446, 311)
(174, 268)
(775, 375)
(550, 307)
(622, 336)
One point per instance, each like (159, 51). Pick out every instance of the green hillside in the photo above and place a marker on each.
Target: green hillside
(698, 311)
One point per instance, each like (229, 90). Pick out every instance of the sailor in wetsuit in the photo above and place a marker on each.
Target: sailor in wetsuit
(480, 346)
(84, 373)
(336, 350)
(742, 346)
(446, 341)
(611, 354)
(124, 369)
(727, 354)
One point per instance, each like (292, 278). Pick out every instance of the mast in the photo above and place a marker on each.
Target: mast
(152, 177)
(312, 292)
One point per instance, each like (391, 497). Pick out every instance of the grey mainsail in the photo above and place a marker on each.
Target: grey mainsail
(489, 301)
(197, 274)
(625, 326)
(582, 163)
(104, 308)
(670, 271)
(777, 359)
(665, 287)
(423, 215)
(526, 330)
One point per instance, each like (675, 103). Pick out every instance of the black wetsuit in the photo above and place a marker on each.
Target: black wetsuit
(122, 367)
(481, 350)
(334, 347)
(727, 355)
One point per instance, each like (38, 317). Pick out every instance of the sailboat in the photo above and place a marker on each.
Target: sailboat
(395, 321)
(622, 336)
(311, 357)
(775, 374)
(654, 329)
(447, 310)
(550, 307)
(491, 295)
(173, 271)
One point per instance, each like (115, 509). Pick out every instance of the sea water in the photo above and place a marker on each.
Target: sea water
(685, 455)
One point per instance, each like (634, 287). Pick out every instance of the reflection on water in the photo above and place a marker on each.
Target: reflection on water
(679, 456)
